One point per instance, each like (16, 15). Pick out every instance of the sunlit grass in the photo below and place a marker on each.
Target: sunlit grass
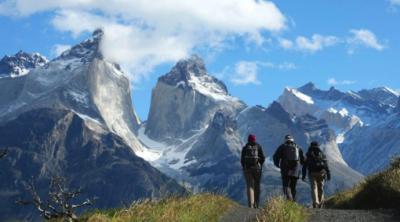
(202, 207)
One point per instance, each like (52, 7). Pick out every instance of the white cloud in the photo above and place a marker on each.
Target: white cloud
(286, 66)
(315, 43)
(363, 37)
(333, 81)
(140, 34)
(285, 43)
(395, 2)
(245, 73)
(58, 49)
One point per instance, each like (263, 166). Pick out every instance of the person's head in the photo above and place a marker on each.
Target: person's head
(289, 139)
(314, 144)
(251, 138)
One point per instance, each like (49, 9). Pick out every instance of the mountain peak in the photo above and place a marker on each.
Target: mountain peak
(184, 70)
(20, 64)
(87, 50)
(308, 86)
(98, 33)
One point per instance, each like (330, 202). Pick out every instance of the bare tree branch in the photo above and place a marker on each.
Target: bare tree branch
(59, 202)
(3, 153)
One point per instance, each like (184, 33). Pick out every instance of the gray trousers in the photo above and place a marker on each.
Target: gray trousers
(253, 180)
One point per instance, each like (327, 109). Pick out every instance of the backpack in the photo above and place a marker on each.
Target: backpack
(251, 158)
(292, 152)
(291, 155)
(317, 161)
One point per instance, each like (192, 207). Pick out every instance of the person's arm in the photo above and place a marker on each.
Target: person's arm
(305, 166)
(261, 155)
(242, 157)
(302, 159)
(277, 156)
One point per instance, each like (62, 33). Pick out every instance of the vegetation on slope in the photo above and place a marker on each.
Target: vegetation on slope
(278, 209)
(202, 207)
(381, 190)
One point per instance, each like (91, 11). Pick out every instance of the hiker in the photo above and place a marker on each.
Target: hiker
(252, 160)
(318, 170)
(289, 158)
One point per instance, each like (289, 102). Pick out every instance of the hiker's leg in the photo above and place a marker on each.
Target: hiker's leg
(293, 184)
(314, 190)
(321, 180)
(286, 188)
(257, 182)
(249, 189)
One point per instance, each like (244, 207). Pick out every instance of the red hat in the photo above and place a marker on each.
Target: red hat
(251, 138)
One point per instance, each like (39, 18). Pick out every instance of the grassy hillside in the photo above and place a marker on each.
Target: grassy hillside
(280, 210)
(381, 190)
(203, 207)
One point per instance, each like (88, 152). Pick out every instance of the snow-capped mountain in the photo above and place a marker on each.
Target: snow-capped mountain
(185, 100)
(20, 64)
(365, 122)
(80, 80)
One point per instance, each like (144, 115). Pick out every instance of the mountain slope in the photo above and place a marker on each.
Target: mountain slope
(50, 142)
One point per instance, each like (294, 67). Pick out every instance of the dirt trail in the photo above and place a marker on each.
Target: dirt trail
(245, 214)
(241, 214)
(330, 215)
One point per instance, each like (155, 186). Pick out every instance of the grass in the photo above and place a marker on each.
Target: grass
(202, 207)
(381, 190)
(278, 209)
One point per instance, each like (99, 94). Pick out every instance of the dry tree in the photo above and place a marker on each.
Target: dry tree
(3, 153)
(59, 201)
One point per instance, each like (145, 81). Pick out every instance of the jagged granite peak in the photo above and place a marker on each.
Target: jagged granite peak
(308, 88)
(188, 72)
(185, 100)
(20, 64)
(82, 81)
(87, 50)
(184, 69)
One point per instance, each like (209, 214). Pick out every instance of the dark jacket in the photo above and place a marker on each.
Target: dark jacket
(308, 165)
(288, 168)
(261, 157)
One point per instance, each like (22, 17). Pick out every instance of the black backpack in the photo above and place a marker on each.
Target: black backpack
(251, 158)
(291, 155)
(317, 161)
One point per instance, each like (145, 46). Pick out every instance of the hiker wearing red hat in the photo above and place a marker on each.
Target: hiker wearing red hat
(252, 159)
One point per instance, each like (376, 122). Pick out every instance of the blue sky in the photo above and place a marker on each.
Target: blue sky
(347, 44)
